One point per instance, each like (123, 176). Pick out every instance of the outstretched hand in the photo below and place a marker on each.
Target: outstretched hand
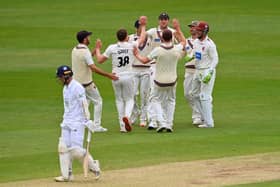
(143, 20)
(98, 44)
(176, 24)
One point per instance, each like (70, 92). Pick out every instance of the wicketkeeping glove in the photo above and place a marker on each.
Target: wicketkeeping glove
(188, 58)
(208, 76)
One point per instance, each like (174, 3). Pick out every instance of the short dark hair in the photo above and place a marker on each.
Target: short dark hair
(167, 35)
(121, 34)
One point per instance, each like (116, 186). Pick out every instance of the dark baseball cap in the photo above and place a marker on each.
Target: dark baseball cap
(137, 24)
(193, 23)
(163, 15)
(82, 35)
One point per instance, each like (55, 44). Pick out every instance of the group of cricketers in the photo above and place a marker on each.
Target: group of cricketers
(144, 66)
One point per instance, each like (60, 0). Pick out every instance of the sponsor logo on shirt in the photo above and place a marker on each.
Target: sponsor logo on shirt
(198, 55)
(157, 39)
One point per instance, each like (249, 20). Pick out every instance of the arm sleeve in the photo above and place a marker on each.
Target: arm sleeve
(214, 56)
(108, 52)
(83, 100)
(88, 58)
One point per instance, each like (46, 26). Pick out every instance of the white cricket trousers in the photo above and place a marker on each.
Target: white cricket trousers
(93, 96)
(142, 86)
(124, 95)
(163, 100)
(187, 93)
(70, 147)
(202, 95)
(152, 116)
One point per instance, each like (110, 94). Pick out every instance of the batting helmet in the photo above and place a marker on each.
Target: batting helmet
(203, 26)
(64, 71)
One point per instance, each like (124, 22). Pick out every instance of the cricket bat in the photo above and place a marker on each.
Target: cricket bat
(86, 159)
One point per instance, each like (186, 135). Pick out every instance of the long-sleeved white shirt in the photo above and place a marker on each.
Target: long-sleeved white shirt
(206, 55)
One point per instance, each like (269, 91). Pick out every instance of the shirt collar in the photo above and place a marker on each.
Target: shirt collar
(82, 45)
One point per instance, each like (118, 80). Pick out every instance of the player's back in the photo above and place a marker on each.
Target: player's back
(122, 56)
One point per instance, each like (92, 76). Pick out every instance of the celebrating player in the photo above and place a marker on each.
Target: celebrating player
(83, 66)
(122, 58)
(189, 73)
(163, 93)
(206, 60)
(142, 77)
(156, 40)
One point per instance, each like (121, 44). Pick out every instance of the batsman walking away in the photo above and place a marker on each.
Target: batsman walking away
(75, 118)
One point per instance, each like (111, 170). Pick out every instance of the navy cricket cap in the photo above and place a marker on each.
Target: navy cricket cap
(137, 24)
(82, 35)
(64, 71)
(163, 15)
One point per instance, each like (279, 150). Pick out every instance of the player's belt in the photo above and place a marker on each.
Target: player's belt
(190, 66)
(140, 66)
(87, 84)
(165, 84)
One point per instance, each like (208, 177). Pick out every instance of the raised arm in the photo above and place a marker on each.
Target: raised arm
(142, 59)
(143, 35)
(179, 34)
(100, 58)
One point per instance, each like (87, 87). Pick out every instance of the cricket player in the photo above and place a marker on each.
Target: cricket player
(83, 66)
(156, 41)
(76, 116)
(189, 73)
(122, 57)
(142, 77)
(163, 95)
(206, 60)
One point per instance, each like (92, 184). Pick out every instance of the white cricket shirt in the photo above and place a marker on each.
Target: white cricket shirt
(122, 56)
(206, 55)
(73, 95)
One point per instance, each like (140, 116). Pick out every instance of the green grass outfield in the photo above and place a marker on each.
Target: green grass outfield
(262, 184)
(37, 36)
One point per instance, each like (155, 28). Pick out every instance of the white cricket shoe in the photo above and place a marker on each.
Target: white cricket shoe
(205, 126)
(152, 125)
(197, 121)
(63, 179)
(100, 129)
(97, 174)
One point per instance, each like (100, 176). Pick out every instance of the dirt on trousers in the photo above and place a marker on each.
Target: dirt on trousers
(210, 173)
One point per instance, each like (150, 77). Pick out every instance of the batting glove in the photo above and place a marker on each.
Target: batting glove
(89, 124)
(208, 76)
